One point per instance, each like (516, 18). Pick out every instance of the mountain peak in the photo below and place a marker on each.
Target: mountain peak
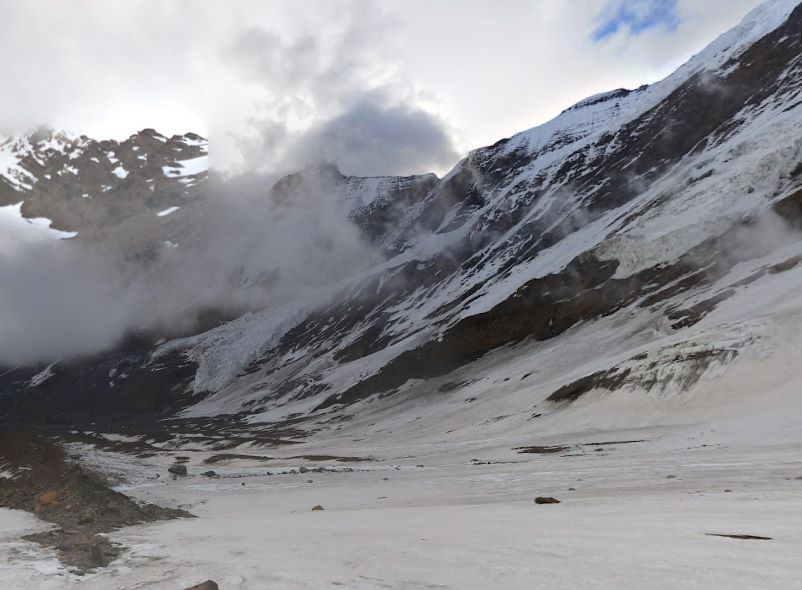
(91, 186)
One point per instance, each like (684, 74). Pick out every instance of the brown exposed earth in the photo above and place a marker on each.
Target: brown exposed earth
(77, 501)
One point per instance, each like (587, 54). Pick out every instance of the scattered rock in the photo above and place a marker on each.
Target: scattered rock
(207, 585)
(178, 469)
(727, 491)
(303, 470)
(546, 500)
(571, 489)
(209, 474)
(317, 508)
(671, 477)
(310, 481)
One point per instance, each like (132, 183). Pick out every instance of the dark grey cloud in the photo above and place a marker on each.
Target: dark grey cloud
(373, 139)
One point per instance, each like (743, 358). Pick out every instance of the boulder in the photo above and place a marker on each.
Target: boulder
(207, 585)
(47, 500)
(546, 500)
(178, 469)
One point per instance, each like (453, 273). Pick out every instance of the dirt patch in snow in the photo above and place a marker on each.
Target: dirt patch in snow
(77, 501)
(333, 458)
(546, 450)
(224, 457)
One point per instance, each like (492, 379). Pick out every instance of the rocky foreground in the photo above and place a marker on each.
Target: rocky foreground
(41, 479)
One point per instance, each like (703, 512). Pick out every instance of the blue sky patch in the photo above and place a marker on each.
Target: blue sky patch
(636, 16)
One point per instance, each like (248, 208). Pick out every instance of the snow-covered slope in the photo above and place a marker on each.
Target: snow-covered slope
(616, 248)
(16, 229)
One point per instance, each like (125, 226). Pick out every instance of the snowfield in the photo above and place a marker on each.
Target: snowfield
(189, 167)
(19, 230)
(646, 482)
(453, 524)
(168, 211)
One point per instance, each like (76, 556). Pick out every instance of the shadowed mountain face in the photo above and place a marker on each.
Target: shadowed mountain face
(644, 202)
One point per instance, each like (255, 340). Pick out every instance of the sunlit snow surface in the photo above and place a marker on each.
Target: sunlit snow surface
(168, 211)
(120, 172)
(16, 175)
(18, 229)
(189, 167)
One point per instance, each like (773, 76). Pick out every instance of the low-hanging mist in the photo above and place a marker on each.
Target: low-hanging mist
(249, 250)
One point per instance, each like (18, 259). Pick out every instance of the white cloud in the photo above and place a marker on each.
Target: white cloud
(482, 70)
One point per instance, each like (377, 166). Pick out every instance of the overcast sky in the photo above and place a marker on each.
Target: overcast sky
(380, 86)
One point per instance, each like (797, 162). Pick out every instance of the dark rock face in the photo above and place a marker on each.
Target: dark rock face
(178, 469)
(110, 387)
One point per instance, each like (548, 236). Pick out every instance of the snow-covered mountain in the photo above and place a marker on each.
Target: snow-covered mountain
(92, 187)
(645, 241)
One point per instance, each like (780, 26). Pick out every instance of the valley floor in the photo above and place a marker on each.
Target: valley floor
(640, 515)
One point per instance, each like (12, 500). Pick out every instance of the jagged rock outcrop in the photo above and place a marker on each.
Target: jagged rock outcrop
(91, 187)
